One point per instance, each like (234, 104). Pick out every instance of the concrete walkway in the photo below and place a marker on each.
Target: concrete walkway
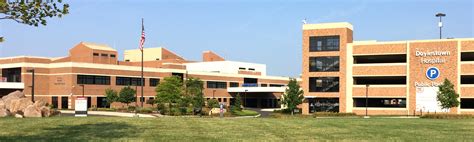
(110, 113)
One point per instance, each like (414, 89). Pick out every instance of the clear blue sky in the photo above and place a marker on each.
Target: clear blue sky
(267, 32)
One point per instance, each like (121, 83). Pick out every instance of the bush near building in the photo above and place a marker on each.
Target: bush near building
(448, 116)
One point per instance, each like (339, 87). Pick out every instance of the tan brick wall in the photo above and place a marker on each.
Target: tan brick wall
(379, 70)
(396, 92)
(467, 45)
(467, 69)
(467, 91)
(389, 48)
(345, 37)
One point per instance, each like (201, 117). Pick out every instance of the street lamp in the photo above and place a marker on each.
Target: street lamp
(82, 85)
(366, 98)
(32, 84)
(440, 24)
(213, 92)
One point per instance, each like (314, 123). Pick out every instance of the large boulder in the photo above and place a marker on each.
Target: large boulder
(2, 104)
(11, 97)
(45, 111)
(32, 111)
(19, 105)
(40, 103)
(4, 112)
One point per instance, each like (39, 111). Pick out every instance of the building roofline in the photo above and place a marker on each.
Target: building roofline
(327, 26)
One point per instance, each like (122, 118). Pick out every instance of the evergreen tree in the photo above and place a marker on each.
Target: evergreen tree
(194, 87)
(447, 96)
(293, 95)
(237, 103)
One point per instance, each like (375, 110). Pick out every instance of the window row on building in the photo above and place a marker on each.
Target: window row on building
(122, 81)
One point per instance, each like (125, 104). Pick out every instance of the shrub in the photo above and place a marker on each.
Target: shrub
(106, 109)
(212, 103)
(131, 108)
(448, 116)
(145, 110)
(333, 114)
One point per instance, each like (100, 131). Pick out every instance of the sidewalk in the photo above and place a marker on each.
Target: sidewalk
(109, 113)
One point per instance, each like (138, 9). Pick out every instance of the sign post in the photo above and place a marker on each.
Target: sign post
(81, 107)
(221, 110)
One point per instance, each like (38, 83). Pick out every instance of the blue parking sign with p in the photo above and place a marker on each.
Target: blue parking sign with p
(432, 73)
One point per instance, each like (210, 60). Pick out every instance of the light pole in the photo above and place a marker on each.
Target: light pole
(82, 85)
(213, 92)
(32, 84)
(366, 98)
(245, 100)
(440, 24)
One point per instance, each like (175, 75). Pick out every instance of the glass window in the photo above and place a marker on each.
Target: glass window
(216, 84)
(263, 85)
(93, 79)
(323, 105)
(324, 84)
(324, 43)
(324, 64)
(154, 82)
(380, 102)
(234, 84)
(95, 54)
(112, 55)
(276, 85)
(104, 55)
(129, 81)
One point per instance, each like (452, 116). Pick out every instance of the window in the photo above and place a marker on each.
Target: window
(234, 84)
(128, 81)
(242, 68)
(276, 85)
(215, 84)
(251, 69)
(323, 105)
(95, 54)
(324, 84)
(381, 102)
(467, 56)
(154, 82)
(263, 85)
(467, 103)
(467, 79)
(104, 55)
(324, 43)
(380, 80)
(112, 55)
(396, 58)
(93, 79)
(127, 60)
(323, 64)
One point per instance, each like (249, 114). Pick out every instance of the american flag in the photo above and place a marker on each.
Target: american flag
(142, 39)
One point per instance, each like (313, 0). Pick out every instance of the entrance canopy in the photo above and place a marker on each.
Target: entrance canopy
(256, 89)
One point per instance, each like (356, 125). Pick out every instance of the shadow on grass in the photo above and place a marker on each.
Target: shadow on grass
(80, 132)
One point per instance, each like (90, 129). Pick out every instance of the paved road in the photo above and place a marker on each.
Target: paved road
(108, 113)
(264, 112)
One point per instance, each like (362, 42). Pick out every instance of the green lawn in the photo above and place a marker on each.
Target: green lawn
(251, 129)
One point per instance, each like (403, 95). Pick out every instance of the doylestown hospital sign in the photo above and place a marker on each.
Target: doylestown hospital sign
(432, 72)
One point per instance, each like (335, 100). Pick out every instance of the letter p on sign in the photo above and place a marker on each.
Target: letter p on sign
(432, 73)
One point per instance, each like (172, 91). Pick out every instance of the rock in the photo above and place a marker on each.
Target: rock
(19, 104)
(18, 116)
(4, 112)
(12, 96)
(32, 111)
(40, 103)
(45, 111)
(2, 104)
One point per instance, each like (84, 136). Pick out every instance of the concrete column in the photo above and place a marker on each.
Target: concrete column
(305, 107)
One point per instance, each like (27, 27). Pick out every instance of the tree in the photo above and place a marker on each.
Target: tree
(151, 102)
(447, 96)
(169, 91)
(111, 96)
(32, 12)
(212, 103)
(293, 95)
(127, 95)
(194, 87)
(237, 104)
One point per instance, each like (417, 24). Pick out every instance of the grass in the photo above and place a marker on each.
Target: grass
(246, 129)
(245, 112)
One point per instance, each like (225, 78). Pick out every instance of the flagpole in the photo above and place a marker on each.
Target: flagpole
(142, 82)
